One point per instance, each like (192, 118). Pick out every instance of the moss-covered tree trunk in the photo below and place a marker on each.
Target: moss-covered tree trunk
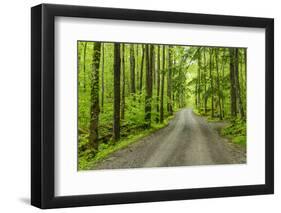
(162, 87)
(205, 83)
(132, 69)
(123, 83)
(141, 69)
(218, 82)
(84, 65)
(148, 96)
(137, 73)
(102, 79)
(169, 82)
(94, 110)
(211, 81)
(158, 84)
(223, 76)
(245, 78)
(232, 83)
(237, 83)
(152, 68)
(198, 82)
(116, 106)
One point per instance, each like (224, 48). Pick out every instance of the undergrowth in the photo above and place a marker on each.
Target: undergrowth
(88, 158)
(236, 130)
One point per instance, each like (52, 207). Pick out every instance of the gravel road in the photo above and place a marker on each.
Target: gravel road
(187, 140)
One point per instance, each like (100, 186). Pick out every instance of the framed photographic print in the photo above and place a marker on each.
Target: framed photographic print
(138, 106)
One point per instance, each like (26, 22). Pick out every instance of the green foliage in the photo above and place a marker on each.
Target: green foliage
(88, 160)
(236, 131)
(190, 86)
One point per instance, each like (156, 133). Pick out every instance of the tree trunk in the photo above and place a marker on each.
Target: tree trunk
(245, 63)
(116, 107)
(152, 67)
(158, 83)
(162, 87)
(94, 122)
(173, 76)
(242, 80)
(198, 83)
(211, 79)
(142, 65)
(148, 95)
(149, 76)
(154, 74)
(84, 65)
(245, 76)
(205, 83)
(102, 79)
(123, 83)
(169, 83)
(232, 83)
(222, 69)
(137, 67)
(132, 68)
(238, 90)
(218, 82)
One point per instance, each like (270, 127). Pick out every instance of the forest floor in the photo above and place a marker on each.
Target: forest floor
(188, 140)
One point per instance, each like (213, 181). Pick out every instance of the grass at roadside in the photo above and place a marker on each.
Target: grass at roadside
(235, 131)
(88, 159)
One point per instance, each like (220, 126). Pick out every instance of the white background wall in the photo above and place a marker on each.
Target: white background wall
(15, 105)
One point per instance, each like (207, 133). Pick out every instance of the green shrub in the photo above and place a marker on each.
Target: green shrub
(236, 131)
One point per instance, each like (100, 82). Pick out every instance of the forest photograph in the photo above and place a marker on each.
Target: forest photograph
(160, 105)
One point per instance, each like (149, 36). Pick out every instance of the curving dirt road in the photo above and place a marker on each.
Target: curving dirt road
(187, 140)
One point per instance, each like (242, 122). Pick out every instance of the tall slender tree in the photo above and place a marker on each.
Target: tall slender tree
(116, 107)
(245, 76)
(137, 68)
(152, 66)
(198, 81)
(132, 68)
(84, 64)
(245, 65)
(148, 96)
(102, 78)
(205, 83)
(218, 81)
(233, 97)
(123, 83)
(223, 76)
(237, 83)
(169, 82)
(162, 86)
(142, 65)
(211, 81)
(95, 110)
(158, 83)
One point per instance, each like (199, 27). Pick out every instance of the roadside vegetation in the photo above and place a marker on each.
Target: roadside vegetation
(89, 158)
(236, 132)
(235, 129)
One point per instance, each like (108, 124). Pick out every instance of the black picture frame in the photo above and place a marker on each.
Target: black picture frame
(43, 102)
